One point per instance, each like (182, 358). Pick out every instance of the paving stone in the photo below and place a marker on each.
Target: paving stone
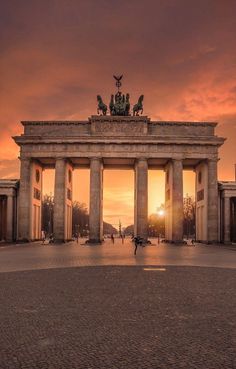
(121, 317)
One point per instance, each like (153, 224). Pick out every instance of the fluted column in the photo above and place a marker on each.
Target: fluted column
(212, 201)
(226, 219)
(59, 216)
(141, 198)
(96, 201)
(10, 216)
(24, 201)
(177, 201)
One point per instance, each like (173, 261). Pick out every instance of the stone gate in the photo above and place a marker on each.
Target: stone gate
(118, 142)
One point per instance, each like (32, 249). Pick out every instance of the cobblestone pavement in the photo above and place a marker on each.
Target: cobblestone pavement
(119, 317)
(100, 307)
(36, 256)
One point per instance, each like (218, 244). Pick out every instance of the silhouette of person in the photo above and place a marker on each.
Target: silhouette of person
(112, 238)
(136, 243)
(43, 237)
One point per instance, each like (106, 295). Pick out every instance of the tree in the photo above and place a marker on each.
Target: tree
(80, 218)
(47, 213)
(189, 216)
(156, 222)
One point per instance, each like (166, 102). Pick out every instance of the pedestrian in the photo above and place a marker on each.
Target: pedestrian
(112, 238)
(122, 238)
(43, 237)
(193, 243)
(136, 243)
(77, 237)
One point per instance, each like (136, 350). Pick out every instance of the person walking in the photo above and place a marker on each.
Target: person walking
(112, 239)
(193, 243)
(136, 243)
(43, 237)
(77, 237)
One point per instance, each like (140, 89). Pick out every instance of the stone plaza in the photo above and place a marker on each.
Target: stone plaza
(73, 306)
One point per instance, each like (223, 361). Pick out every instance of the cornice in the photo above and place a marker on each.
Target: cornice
(155, 140)
(53, 123)
(116, 120)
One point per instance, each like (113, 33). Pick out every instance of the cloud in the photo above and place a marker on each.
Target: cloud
(56, 56)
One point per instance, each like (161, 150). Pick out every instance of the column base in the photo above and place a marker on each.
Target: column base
(93, 242)
(213, 242)
(22, 240)
(9, 240)
(176, 242)
(58, 241)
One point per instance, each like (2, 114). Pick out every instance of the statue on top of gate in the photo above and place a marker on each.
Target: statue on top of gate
(120, 104)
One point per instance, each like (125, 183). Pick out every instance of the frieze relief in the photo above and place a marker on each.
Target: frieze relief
(113, 149)
(120, 128)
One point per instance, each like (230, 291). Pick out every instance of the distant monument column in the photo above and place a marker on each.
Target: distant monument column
(24, 201)
(141, 198)
(62, 217)
(174, 201)
(212, 201)
(96, 201)
(226, 217)
(10, 217)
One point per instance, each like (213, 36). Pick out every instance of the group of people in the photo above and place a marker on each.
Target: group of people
(50, 237)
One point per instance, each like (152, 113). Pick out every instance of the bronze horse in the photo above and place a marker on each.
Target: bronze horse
(101, 106)
(139, 106)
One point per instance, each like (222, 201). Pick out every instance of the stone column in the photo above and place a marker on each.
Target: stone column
(177, 201)
(24, 201)
(212, 201)
(141, 198)
(59, 200)
(10, 216)
(226, 218)
(96, 201)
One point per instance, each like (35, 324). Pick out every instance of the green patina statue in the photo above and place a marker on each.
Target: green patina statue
(120, 104)
(101, 106)
(139, 106)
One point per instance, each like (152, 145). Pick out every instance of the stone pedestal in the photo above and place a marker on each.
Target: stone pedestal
(141, 199)
(96, 201)
(212, 201)
(10, 218)
(24, 201)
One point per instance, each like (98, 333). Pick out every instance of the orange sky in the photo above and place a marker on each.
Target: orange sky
(56, 56)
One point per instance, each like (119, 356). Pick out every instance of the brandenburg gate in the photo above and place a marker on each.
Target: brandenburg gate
(118, 141)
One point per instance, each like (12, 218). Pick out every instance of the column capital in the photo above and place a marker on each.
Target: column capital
(24, 159)
(97, 158)
(177, 159)
(142, 159)
(212, 160)
(60, 158)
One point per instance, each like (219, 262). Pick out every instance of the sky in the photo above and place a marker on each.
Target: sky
(57, 55)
